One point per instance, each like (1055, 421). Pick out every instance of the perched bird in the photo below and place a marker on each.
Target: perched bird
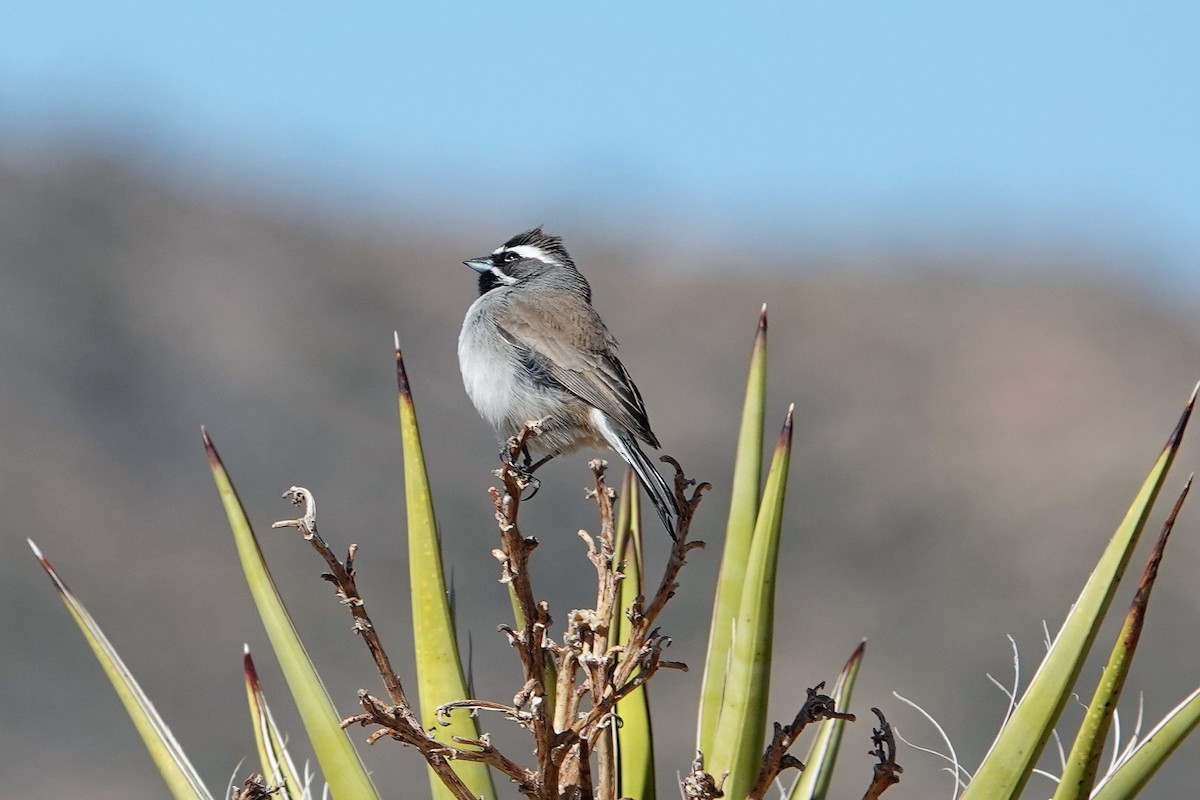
(533, 348)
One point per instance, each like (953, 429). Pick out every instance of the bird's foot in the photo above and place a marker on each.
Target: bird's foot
(523, 471)
(531, 466)
(534, 484)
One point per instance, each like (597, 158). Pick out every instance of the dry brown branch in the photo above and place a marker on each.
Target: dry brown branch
(506, 766)
(593, 627)
(592, 673)
(699, 785)
(398, 719)
(531, 641)
(776, 758)
(255, 788)
(392, 723)
(342, 576)
(887, 771)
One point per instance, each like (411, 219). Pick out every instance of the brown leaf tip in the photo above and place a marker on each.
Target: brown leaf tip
(248, 667)
(210, 449)
(1177, 435)
(48, 567)
(762, 320)
(401, 373)
(785, 436)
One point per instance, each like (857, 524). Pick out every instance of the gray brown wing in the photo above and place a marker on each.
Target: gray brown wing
(564, 342)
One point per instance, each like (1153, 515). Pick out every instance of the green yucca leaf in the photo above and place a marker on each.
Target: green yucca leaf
(738, 741)
(743, 511)
(440, 677)
(813, 783)
(1079, 775)
(634, 744)
(277, 768)
(181, 777)
(1011, 760)
(1132, 775)
(341, 767)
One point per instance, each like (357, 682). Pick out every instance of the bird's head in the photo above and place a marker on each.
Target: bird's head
(528, 255)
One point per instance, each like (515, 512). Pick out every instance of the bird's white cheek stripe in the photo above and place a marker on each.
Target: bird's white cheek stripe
(508, 280)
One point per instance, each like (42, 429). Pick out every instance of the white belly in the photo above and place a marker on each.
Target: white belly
(495, 379)
(490, 381)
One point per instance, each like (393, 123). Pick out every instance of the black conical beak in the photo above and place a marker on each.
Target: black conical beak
(481, 264)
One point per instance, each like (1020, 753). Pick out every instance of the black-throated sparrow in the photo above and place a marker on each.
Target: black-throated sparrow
(533, 348)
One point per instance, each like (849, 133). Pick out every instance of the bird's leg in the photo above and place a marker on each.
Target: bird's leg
(531, 467)
(524, 470)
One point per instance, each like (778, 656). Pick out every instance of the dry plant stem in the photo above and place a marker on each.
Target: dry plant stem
(255, 788)
(699, 785)
(644, 648)
(392, 722)
(531, 641)
(565, 737)
(398, 719)
(341, 575)
(516, 773)
(887, 771)
(614, 671)
(776, 758)
(596, 658)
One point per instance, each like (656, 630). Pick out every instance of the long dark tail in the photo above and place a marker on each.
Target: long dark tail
(657, 489)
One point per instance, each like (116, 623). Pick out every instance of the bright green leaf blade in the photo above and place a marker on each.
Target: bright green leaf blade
(813, 783)
(1079, 774)
(440, 676)
(738, 741)
(1009, 763)
(634, 743)
(743, 511)
(340, 765)
(629, 523)
(277, 767)
(1130, 777)
(181, 777)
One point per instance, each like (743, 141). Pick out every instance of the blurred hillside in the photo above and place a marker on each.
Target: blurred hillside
(964, 447)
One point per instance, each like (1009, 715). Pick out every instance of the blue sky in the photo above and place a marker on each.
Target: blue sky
(1021, 125)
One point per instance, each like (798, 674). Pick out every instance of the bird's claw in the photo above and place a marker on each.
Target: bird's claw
(523, 472)
(531, 483)
(525, 480)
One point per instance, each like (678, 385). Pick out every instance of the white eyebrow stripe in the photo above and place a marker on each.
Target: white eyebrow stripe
(534, 252)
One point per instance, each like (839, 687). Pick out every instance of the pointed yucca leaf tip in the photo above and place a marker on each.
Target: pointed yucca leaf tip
(210, 449)
(1177, 434)
(248, 667)
(1151, 572)
(58, 582)
(785, 435)
(856, 656)
(762, 325)
(401, 373)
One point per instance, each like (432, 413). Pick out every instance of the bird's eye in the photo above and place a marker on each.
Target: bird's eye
(510, 258)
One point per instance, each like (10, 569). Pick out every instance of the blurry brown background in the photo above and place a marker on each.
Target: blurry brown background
(964, 446)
